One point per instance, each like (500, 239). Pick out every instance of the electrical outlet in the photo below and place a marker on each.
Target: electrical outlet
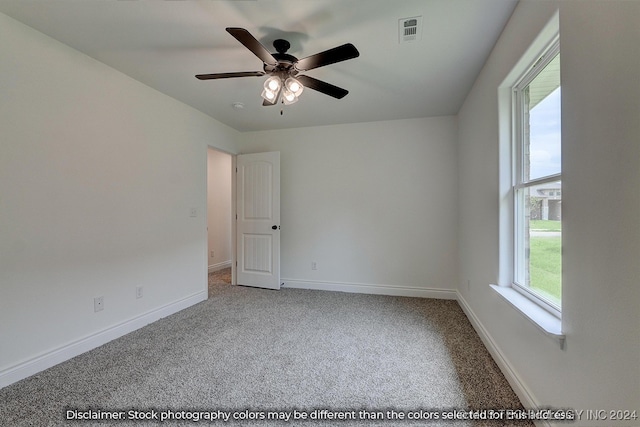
(98, 304)
(314, 265)
(211, 254)
(138, 292)
(193, 212)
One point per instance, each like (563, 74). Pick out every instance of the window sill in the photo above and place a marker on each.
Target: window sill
(545, 321)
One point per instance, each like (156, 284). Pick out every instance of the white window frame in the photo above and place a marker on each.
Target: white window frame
(518, 182)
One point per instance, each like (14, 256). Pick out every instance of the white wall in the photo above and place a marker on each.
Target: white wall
(98, 174)
(600, 61)
(373, 204)
(219, 209)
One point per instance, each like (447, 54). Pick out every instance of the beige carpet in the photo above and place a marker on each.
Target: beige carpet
(220, 277)
(255, 353)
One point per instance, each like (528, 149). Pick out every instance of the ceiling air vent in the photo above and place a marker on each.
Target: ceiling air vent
(410, 29)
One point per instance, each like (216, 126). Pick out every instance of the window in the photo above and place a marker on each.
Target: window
(537, 183)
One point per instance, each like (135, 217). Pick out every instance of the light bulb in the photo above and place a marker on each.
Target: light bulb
(294, 86)
(289, 97)
(273, 83)
(269, 95)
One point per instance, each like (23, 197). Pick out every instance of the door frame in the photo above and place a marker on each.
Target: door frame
(234, 212)
(234, 219)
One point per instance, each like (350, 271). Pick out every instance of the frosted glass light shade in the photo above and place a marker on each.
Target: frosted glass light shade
(289, 97)
(270, 96)
(273, 84)
(294, 86)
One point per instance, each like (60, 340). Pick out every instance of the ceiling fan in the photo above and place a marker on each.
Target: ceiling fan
(285, 83)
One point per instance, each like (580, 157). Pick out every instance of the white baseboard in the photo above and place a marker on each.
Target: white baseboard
(66, 352)
(518, 386)
(219, 266)
(364, 288)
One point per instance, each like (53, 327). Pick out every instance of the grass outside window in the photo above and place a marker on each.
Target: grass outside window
(545, 259)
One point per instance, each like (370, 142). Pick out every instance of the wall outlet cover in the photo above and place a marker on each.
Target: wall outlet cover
(98, 304)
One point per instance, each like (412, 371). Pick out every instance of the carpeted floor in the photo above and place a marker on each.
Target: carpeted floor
(253, 353)
(220, 277)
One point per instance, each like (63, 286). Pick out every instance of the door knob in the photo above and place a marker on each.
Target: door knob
(274, 227)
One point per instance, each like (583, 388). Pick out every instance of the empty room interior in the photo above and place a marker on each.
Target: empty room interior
(380, 185)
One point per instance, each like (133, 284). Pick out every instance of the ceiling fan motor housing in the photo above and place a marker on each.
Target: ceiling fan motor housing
(285, 66)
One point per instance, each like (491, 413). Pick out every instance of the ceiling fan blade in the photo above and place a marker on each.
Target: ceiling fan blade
(230, 75)
(331, 56)
(323, 87)
(250, 42)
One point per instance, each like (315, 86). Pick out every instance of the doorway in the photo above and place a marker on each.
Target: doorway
(220, 244)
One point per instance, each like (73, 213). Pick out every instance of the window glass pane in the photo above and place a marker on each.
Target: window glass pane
(542, 135)
(543, 240)
(537, 187)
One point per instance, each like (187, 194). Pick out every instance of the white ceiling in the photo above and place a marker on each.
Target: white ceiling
(164, 44)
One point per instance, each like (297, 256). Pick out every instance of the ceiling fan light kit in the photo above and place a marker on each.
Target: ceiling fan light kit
(289, 91)
(285, 84)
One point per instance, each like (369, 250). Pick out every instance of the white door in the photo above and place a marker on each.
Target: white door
(258, 228)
